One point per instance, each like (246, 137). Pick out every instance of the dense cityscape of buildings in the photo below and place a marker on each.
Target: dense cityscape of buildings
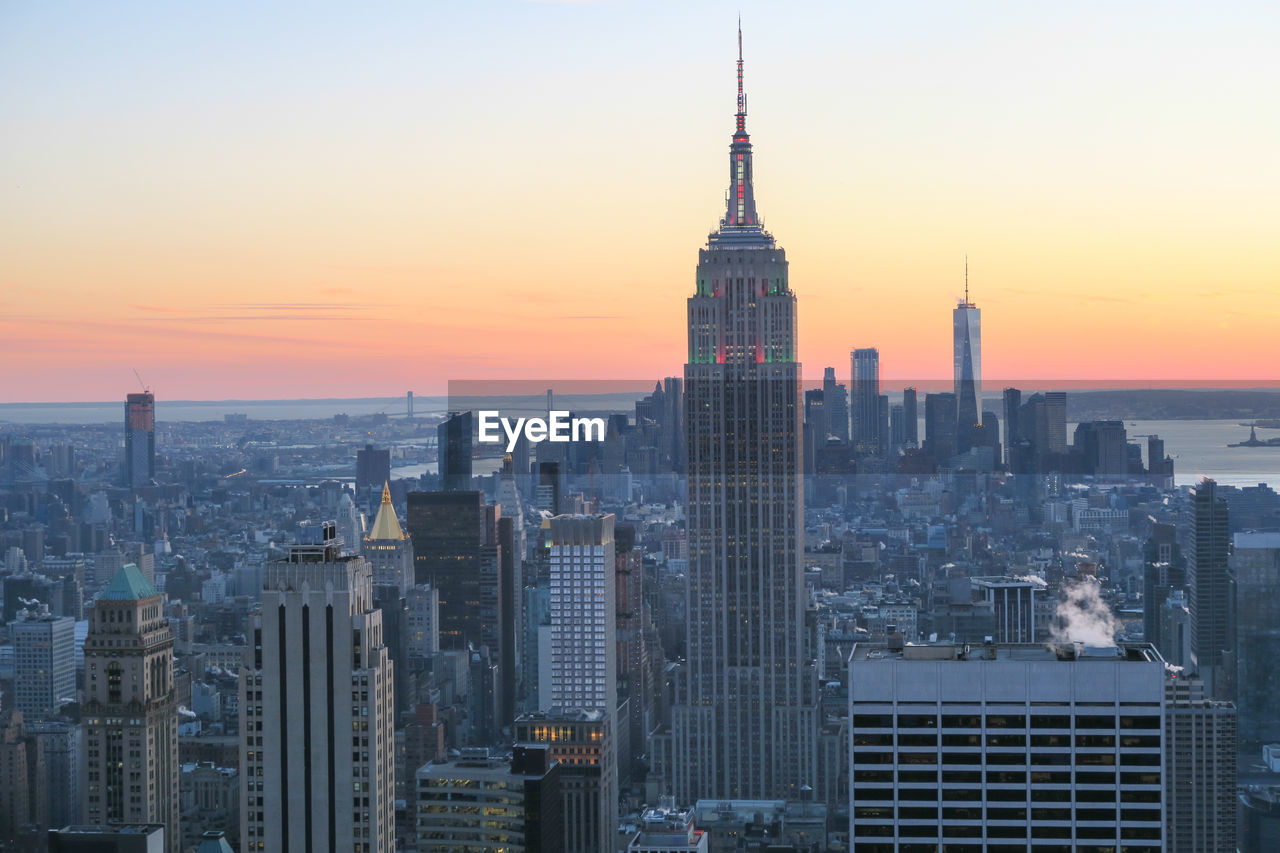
(753, 616)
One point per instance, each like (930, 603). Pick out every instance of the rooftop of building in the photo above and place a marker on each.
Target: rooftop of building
(113, 829)
(665, 817)
(757, 810)
(1008, 581)
(1255, 539)
(386, 526)
(129, 584)
(1136, 652)
(557, 715)
(492, 768)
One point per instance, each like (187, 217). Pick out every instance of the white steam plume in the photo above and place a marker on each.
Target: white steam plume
(1082, 616)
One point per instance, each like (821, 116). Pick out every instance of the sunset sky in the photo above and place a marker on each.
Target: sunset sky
(247, 200)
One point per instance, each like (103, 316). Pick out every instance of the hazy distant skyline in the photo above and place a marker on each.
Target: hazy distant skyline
(355, 200)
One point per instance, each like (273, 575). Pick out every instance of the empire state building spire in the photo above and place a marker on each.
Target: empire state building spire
(741, 208)
(745, 721)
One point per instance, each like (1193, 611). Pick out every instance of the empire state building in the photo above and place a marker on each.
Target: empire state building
(744, 723)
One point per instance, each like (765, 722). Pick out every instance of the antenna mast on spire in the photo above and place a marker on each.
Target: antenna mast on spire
(966, 278)
(742, 98)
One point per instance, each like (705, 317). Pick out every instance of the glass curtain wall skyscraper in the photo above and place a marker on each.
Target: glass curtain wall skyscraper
(864, 378)
(744, 725)
(966, 322)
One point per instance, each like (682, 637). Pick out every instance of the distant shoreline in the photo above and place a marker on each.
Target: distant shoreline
(1246, 406)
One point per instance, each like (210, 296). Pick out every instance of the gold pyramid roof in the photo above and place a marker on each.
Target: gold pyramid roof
(386, 525)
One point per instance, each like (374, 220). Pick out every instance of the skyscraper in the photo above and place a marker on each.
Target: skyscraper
(1255, 569)
(388, 548)
(130, 712)
(940, 426)
(579, 719)
(1209, 590)
(139, 439)
(745, 720)
(988, 747)
(373, 469)
(864, 389)
(966, 322)
(453, 448)
(448, 530)
(1012, 435)
(44, 662)
(1200, 770)
(910, 418)
(317, 738)
(583, 611)
(836, 399)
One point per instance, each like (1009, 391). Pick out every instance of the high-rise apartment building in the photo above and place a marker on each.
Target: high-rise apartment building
(744, 722)
(579, 716)
(1001, 747)
(1209, 590)
(583, 613)
(130, 713)
(317, 736)
(139, 439)
(864, 391)
(44, 662)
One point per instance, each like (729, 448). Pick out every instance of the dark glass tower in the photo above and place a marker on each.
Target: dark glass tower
(744, 724)
(450, 552)
(139, 439)
(864, 386)
(453, 446)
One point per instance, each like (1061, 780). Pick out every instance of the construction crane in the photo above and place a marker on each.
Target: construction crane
(145, 389)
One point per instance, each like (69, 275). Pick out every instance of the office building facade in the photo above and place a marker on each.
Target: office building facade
(1209, 590)
(44, 662)
(998, 747)
(744, 721)
(130, 712)
(317, 736)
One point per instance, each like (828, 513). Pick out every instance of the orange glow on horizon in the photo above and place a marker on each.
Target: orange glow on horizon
(489, 206)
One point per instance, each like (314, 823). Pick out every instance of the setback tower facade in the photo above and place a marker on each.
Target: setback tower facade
(744, 723)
